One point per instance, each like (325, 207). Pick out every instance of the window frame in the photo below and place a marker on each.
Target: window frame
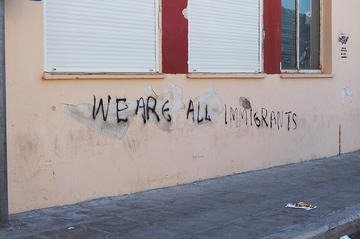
(306, 71)
(243, 74)
(158, 45)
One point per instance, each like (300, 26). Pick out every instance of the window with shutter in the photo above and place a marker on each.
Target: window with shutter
(225, 36)
(87, 36)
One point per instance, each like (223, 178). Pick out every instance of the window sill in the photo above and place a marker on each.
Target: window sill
(307, 76)
(225, 76)
(69, 76)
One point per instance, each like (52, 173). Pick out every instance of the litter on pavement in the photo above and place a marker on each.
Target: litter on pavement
(345, 237)
(301, 205)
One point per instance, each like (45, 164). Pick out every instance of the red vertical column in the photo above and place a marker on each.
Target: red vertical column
(272, 41)
(174, 37)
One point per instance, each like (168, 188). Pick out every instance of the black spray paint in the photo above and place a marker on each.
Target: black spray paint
(262, 118)
(118, 100)
(240, 116)
(144, 107)
(201, 115)
(101, 105)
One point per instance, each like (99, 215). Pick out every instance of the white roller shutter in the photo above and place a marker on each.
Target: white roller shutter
(101, 36)
(225, 36)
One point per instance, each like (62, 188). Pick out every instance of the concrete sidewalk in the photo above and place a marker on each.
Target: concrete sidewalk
(248, 205)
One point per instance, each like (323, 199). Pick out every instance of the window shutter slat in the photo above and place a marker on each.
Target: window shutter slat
(224, 36)
(101, 36)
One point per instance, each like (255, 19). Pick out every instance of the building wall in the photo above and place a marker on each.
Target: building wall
(57, 154)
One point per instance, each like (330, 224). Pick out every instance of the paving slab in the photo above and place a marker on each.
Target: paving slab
(247, 205)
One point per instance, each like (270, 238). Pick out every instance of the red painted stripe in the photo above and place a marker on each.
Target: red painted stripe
(272, 42)
(174, 37)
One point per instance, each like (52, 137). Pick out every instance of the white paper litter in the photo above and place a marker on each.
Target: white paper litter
(301, 205)
(345, 237)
